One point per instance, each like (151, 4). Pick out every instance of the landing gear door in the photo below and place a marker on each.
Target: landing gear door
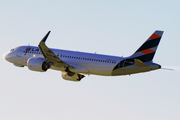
(20, 51)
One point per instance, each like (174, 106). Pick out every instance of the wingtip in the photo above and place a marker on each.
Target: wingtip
(45, 37)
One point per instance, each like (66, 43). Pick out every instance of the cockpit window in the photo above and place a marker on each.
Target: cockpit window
(12, 50)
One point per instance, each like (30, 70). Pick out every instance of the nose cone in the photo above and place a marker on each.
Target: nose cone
(8, 57)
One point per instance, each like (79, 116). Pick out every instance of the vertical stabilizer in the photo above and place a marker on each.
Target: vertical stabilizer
(147, 51)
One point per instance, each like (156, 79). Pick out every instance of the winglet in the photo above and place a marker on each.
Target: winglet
(45, 37)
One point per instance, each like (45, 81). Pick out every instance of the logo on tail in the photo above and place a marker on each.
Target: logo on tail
(147, 51)
(144, 54)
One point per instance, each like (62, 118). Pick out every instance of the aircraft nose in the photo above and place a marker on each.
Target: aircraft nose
(7, 57)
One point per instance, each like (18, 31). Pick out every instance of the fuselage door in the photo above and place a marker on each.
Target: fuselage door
(20, 51)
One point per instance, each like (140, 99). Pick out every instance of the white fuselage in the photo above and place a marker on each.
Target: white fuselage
(94, 63)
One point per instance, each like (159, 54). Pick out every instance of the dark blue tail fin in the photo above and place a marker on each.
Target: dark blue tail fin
(147, 51)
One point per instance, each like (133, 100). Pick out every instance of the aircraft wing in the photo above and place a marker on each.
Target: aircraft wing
(48, 54)
(71, 72)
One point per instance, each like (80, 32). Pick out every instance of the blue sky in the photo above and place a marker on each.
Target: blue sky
(107, 27)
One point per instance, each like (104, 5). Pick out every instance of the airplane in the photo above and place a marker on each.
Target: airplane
(75, 65)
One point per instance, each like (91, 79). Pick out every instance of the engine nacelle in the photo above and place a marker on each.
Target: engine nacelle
(37, 64)
(71, 76)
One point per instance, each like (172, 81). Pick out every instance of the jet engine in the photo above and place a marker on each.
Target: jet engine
(71, 76)
(38, 64)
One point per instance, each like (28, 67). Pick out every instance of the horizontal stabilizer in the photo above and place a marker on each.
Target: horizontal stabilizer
(140, 63)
